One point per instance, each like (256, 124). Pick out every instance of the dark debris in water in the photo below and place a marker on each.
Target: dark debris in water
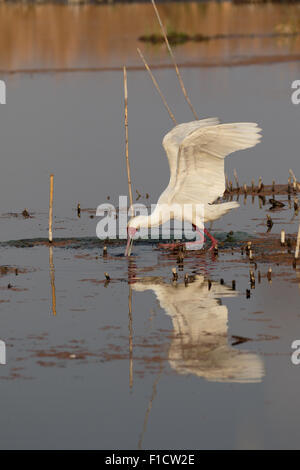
(225, 239)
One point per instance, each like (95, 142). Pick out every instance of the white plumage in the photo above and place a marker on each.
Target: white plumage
(199, 344)
(196, 151)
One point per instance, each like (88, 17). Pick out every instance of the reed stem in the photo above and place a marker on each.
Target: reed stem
(174, 61)
(157, 87)
(126, 137)
(51, 209)
(298, 244)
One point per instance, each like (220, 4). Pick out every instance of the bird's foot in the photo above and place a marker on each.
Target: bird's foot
(214, 242)
(213, 245)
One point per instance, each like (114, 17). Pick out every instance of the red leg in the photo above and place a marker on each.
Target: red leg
(174, 245)
(196, 242)
(213, 240)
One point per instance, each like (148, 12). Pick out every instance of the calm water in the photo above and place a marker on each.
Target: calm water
(169, 371)
(84, 369)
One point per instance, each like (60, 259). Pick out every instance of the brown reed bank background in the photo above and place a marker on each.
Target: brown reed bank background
(34, 36)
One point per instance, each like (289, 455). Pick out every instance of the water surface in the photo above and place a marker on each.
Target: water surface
(141, 362)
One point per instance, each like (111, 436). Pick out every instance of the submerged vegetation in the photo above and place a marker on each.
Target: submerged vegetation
(176, 38)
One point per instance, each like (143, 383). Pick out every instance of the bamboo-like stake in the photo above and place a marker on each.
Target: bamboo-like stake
(282, 237)
(51, 209)
(226, 183)
(259, 184)
(52, 280)
(174, 61)
(273, 186)
(157, 87)
(298, 244)
(130, 338)
(126, 137)
(294, 179)
(154, 391)
(269, 275)
(236, 179)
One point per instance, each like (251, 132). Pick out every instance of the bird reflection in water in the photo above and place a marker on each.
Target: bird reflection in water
(200, 344)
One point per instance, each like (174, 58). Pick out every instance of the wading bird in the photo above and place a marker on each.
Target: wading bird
(201, 344)
(196, 151)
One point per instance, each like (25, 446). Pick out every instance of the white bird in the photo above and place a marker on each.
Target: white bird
(199, 344)
(196, 151)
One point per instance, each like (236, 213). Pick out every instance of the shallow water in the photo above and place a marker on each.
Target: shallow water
(141, 362)
(150, 364)
(72, 125)
(105, 36)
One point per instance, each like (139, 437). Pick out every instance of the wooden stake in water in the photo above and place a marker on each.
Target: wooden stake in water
(175, 275)
(252, 279)
(282, 237)
(298, 244)
(273, 186)
(269, 275)
(289, 184)
(52, 280)
(259, 184)
(126, 137)
(157, 87)
(51, 209)
(226, 183)
(236, 179)
(294, 179)
(130, 338)
(174, 61)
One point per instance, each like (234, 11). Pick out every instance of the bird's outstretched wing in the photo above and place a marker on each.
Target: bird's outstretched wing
(199, 176)
(174, 138)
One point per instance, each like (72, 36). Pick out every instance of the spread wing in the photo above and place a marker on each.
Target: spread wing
(175, 138)
(199, 175)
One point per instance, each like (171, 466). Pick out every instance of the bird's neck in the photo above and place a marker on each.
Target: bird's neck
(157, 217)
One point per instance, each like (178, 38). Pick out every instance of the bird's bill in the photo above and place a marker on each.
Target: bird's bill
(129, 246)
(131, 232)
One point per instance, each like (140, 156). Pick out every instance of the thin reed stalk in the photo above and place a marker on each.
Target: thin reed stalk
(298, 244)
(157, 87)
(52, 280)
(236, 179)
(51, 209)
(126, 137)
(174, 61)
(130, 338)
